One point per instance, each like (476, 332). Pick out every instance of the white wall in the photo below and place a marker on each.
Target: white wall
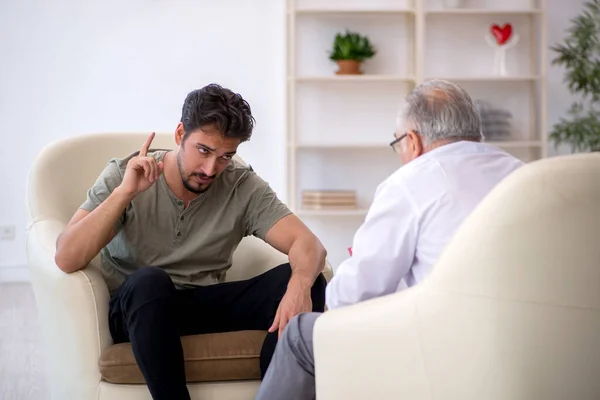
(71, 67)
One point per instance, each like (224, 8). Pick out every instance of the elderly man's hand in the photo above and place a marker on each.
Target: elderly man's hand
(295, 301)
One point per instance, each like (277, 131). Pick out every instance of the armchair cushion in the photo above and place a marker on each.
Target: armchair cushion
(208, 358)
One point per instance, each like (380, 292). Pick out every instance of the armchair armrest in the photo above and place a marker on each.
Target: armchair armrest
(253, 257)
(371, 350)
(73, 312)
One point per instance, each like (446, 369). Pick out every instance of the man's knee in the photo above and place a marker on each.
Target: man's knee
(298, 335)
(306, 323)
(149, 282)
(291, 333)
(301, 326)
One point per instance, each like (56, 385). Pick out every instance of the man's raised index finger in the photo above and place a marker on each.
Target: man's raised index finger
(146, 146)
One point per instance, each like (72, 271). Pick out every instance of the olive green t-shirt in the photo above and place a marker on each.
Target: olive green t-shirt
(194, 245)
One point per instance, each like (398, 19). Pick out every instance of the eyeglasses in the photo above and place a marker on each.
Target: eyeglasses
(394, 142)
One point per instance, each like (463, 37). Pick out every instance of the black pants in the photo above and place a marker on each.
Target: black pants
(152, 314)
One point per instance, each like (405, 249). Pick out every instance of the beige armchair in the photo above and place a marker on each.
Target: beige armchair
(83, 363)
(511, 310)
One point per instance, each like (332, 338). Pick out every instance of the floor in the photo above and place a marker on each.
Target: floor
(22, 363)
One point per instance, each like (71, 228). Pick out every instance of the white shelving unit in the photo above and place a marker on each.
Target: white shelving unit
(355, 78)
(482, 11)
(333, 213)
(339, 127)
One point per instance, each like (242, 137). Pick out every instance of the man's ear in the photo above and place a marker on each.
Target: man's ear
(416, 144)
(179, 133)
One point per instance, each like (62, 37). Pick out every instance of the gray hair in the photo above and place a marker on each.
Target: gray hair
(440, 110)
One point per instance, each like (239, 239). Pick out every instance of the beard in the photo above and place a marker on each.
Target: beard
(185, 178)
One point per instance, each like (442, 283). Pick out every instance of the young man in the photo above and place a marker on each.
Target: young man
(166, 223)
(414, 215)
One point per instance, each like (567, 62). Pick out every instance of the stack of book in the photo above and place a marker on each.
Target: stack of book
(328, 199)
(495, 122)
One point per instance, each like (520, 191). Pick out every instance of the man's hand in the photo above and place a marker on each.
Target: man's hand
(141, 172)
(295, 301)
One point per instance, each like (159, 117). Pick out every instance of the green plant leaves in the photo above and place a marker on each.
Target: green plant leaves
(579, 54)
(581, 131)
(351, 46)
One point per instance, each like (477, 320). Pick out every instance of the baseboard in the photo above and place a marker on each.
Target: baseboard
(14, 274)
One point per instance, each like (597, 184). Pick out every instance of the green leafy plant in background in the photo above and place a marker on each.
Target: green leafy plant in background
(579, 53)
(351, 46)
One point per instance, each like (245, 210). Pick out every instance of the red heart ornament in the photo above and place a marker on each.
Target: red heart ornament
(502, 34)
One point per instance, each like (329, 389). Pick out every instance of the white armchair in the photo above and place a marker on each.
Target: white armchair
(73, 308)
(511, 310)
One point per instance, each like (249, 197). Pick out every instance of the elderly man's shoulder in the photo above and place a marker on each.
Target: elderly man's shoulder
(405, 181)
(414, 170)
(450, 168)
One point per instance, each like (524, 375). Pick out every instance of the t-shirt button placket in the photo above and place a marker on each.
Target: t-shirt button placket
(178, 233)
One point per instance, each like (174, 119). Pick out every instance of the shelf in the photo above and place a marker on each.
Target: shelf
(356, 11)
(525, 78)
(354, 78)
(345, 146)
(481, 11)
(332, 213)
(386, 147)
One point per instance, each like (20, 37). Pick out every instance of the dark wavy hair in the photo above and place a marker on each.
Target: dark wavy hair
(218, 106)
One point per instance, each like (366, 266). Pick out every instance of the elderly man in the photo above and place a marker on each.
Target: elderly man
(447, 171)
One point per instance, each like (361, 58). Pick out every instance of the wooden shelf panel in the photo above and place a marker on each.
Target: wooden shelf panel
(352, 11)
(525, 78)
(386, 147)
(359, 212)
(354, 78)
(344, 146)
(410, 79)
(482, 11)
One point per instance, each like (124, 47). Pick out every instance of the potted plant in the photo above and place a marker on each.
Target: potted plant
(579, 53)
(350, 49)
